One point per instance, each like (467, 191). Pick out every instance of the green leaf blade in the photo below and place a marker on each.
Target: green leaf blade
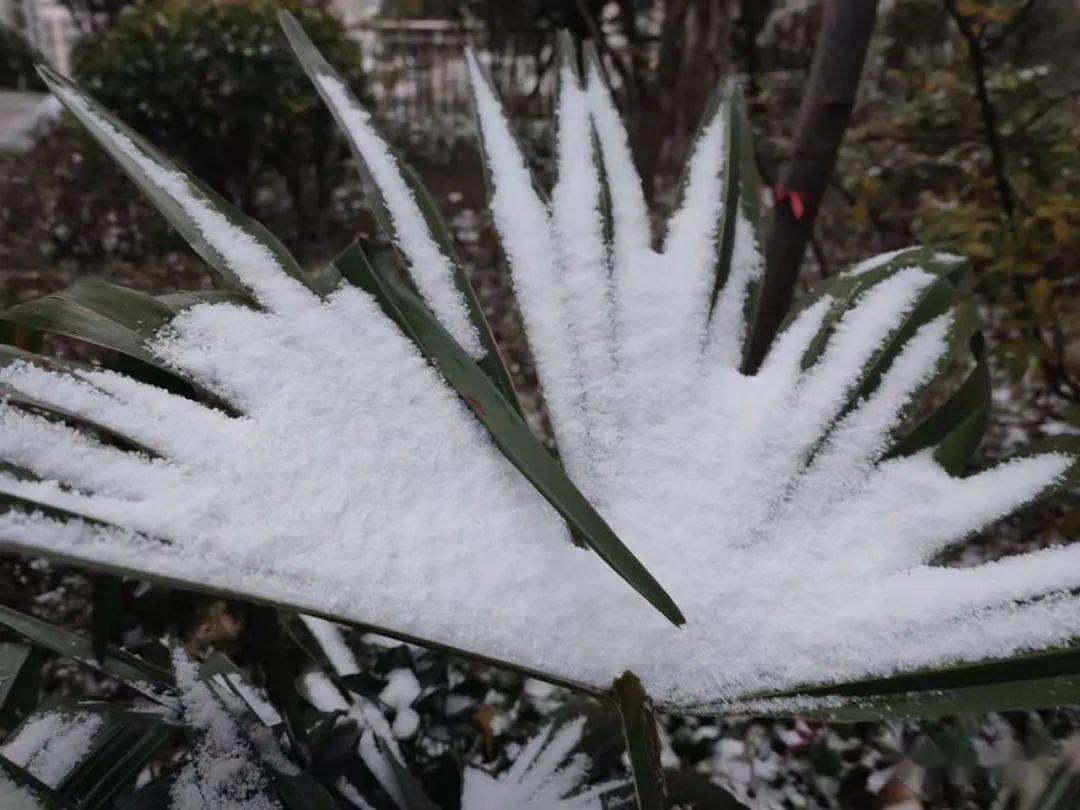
(176, 194)
(509, 432)
(115, 663)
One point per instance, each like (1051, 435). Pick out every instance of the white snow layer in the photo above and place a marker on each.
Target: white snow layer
(358, 486)
(546, 775)
(50, 745)
(333, 644)
(430, 268)
(224, 770)
(249, 258)
(14, 797)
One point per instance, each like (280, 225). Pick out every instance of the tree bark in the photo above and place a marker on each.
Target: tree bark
(823, 118)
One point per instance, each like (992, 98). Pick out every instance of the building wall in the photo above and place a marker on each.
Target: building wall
(354, 12)
(46, 24)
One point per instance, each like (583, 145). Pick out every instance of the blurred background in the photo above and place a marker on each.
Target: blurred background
(964, 136)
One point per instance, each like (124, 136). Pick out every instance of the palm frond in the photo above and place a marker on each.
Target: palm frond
(791, 514)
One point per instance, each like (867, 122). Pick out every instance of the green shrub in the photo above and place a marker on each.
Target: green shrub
(213, 83)
(17, 59)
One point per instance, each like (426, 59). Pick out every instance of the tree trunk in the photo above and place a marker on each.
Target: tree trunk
(823, 117)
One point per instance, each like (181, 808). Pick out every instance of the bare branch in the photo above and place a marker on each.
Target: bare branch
(823, 118)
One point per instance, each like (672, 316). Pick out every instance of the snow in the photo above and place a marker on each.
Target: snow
(401, 691)
(223, 770)
(357, 486)
(242, 252)
(325, 696)
(875, 262)
(378, 760)
(50, 745)
(253, 697)
(530, 245)
(546, 775)
(346, 789)
(430, 268)
(689, 249)
(727, 327)
(882, 259)
(13, 797)
(333, 645)
(583, 285)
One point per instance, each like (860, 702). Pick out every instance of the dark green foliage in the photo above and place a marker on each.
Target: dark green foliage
(642, 741)
(305, 771)
(17, 60)
(315, 65)
(20, 681)
(918, 165)
(214, 85)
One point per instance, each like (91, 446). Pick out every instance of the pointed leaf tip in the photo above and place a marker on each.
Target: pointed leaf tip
(567, 52)
(294, 32)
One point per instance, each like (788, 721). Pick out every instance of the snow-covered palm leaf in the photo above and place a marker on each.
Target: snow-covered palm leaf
(82, 754)
(239, 245)
(148, 680)
(77, 754)
(775, 507)
(407, 214)
(75, 757)
(546, 775)
(228, 767)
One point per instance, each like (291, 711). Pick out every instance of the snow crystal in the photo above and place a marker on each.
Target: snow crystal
(250, 259)
(14, 797)
(333, 645)
(429, 266)
(401, 691)
(875, 262)
(530, 245)
(50, 745)
(544, 776)
(223, 771)
(356, 485)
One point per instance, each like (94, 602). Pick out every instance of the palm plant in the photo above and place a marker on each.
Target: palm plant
(346, 443)
(244, 752)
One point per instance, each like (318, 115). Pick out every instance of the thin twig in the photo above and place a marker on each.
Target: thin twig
(977, 60)
(1055, 372)
(1023, 127)
(1011, 26)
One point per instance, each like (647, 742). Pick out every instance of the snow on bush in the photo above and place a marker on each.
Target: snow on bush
(356, 484)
